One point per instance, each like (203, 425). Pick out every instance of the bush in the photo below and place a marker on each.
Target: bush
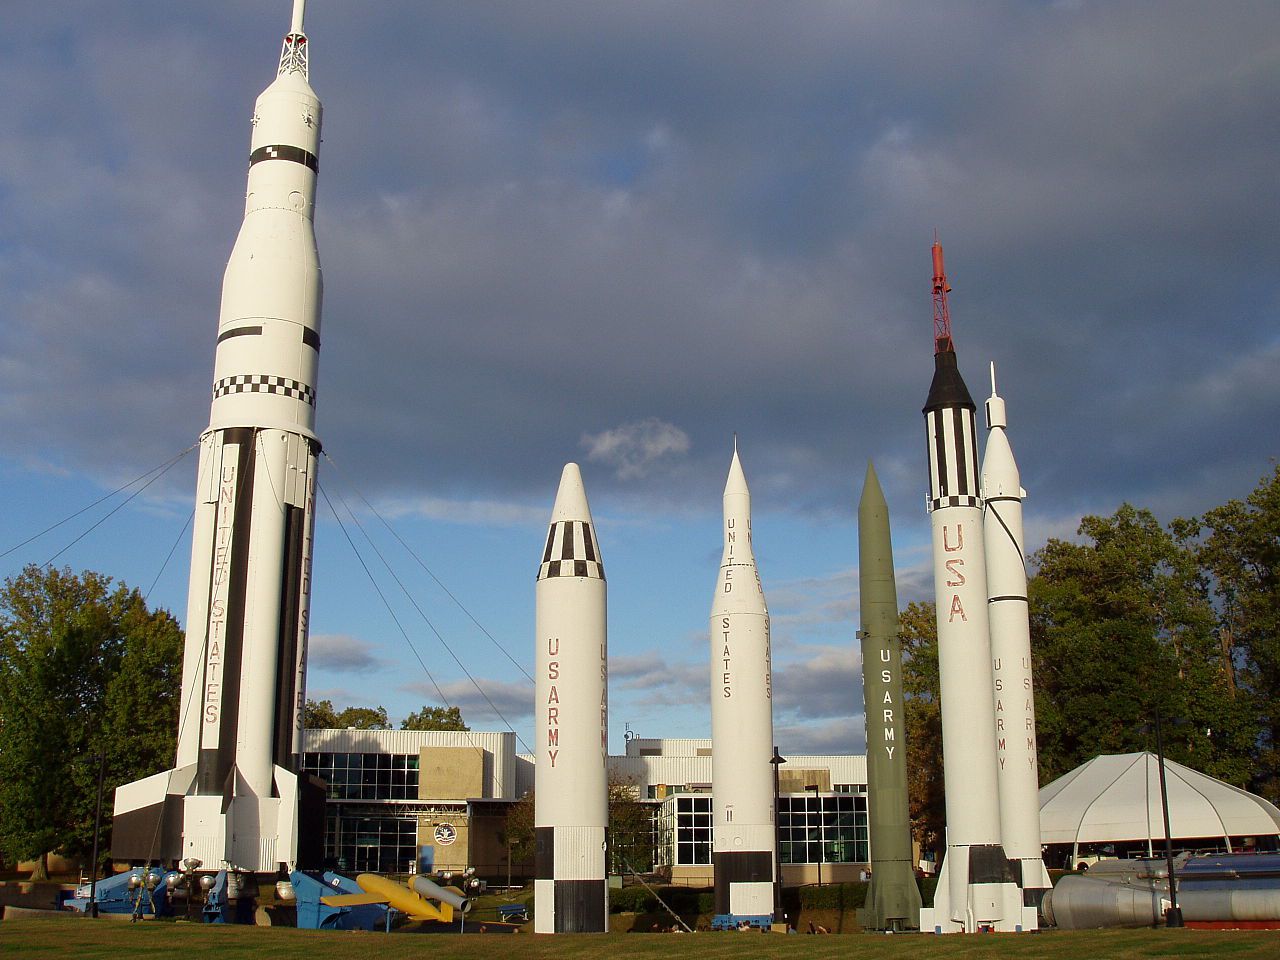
(686, 901)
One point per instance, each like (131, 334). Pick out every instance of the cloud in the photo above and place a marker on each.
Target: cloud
(839, 737)
(483, 709)
(342, 653)
(826, 683)
(661, 680)
(633, 448)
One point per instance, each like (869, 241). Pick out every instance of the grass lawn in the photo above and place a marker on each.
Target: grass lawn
(89, 939)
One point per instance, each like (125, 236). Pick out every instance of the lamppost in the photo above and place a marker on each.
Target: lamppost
(97, 833)
(777, 761)
(1174, 917)
(817, 805)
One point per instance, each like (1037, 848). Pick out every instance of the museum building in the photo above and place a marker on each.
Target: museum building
(403, 800)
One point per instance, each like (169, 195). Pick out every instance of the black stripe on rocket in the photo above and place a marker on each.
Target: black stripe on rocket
(214, 766)
(571, 551)
(283, 151)
(953, 480)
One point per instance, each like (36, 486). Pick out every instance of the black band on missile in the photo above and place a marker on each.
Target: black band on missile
(1011, 597)
(738, 866)
(579, 906)
(282, 151)
(240, 332)
(1001, 499)
(544, 853)
(311, 339)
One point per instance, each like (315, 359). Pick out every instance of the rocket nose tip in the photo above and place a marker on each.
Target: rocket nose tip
(571, 497)
(737, 479)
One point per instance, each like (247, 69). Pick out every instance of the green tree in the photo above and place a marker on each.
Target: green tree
(84, 668)
(321, 715)
(1238, 548)
(518, 832)
(1121, 626)
(434, 718)
(919, 635)
(630, 828)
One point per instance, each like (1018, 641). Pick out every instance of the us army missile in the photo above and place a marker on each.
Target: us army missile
(744, 833)
(570, 800)
(976, 887)
(1018, 772)
(240, 717)
(893, 899)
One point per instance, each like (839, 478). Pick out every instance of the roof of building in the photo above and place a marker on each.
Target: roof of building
(1117, 797)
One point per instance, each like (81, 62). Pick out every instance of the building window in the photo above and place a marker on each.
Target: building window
(366, 776)
(831, 829)
(693, 830)
(359, 843)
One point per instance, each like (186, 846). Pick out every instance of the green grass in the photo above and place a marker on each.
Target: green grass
(88, 939)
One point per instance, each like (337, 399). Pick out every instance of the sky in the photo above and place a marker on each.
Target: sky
(618, 233)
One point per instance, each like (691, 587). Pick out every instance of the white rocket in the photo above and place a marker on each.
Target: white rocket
(1017, 770)
(233, 797)
(571, 792)
(745, 835)
(976, 888)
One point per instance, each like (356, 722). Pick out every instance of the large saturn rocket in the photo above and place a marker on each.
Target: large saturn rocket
(977, 888)
(571, 793)
(893, 899)
(232, 798)
(745, 835)
(1017, 770)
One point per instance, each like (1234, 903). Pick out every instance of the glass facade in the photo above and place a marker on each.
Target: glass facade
(693, 830)
(816, 829)
(366, 776)
(368, 841)
(822, 829)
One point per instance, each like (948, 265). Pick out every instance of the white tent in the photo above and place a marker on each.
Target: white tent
(1117, 798)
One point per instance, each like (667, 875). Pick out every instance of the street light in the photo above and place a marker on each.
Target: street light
(817, 802)
(1174, 917)
(97, 833)
(777, 761)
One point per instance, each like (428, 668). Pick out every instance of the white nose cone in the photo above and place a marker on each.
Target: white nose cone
(571, 498)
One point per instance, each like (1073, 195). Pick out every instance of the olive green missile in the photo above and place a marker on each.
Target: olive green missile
(893, 899)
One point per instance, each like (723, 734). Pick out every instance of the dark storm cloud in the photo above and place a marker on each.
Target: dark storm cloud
(546, 222)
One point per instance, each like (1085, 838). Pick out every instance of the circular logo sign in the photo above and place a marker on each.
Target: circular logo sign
(445, 834)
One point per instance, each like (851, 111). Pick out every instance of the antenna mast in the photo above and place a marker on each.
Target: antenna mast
(941, 313)
(293, 55)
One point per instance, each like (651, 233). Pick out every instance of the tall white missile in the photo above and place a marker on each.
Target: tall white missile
(744, 830)
(233, 797)
(571, 792)
(1018, 772)
(976, 888)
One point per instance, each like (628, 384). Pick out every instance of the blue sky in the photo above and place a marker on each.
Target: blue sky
(617, 233)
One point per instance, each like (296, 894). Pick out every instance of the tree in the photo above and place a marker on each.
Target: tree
(630, 828)
(321, 715)
(921, 690)
(1238, 548)
(434, 718)
(84, 668)
(1121, 626)
(518, 833)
